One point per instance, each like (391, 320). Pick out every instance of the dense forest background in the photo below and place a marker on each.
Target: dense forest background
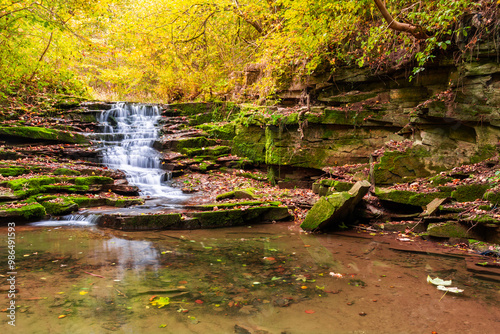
(170, 50)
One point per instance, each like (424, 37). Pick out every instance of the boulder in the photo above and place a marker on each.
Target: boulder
(332, 210)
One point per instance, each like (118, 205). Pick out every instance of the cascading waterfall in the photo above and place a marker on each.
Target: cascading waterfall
(128, 134)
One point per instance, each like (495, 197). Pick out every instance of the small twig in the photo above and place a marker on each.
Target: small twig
(94, 274)
(443, 295)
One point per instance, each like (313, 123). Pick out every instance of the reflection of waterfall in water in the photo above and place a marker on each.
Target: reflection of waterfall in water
(131, 255)
(128, 134)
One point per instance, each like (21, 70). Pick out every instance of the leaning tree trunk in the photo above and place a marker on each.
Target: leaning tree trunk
(414, 30)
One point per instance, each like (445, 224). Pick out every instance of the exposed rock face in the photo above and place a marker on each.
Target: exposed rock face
(331, 211)
(450, 113)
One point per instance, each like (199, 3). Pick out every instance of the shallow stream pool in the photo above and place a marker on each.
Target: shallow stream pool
(260, 279)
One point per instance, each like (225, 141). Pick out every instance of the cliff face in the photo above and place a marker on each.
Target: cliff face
(450, 113)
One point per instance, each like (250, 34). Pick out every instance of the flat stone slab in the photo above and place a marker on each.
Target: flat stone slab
(196, 220)
(142, 222)
(238, 217)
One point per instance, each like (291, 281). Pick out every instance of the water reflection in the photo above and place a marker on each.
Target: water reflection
(270, 278)
(130, 255)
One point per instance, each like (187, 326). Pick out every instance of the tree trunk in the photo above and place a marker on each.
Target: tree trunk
(416, 31)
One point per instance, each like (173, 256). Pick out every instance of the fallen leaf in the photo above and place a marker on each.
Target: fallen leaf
(438, 281)
(310, 311)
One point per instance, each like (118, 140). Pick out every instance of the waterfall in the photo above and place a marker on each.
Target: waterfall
(128, 134)
(69, 220)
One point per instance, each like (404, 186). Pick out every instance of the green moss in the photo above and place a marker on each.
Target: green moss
(13, 171)
(322, 212)
(58, 205)
(448, 230)
(238, 193)
(143, 222)
(232, 205)
(235, 217)
(30, 211)
(28, 187)
(195, 142)
(225, 131)
(483, 153)
(124, 202)
(398, 167)
(409, 197)
(36, 133)
(212, 151)
(88, 202)
(66, 171)
(250, 142)
(493, 197)
(470, 192)
(440, 180)
(91, 180)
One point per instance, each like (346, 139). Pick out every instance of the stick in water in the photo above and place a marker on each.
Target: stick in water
(94, 274)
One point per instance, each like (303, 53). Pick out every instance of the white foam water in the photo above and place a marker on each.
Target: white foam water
(128, 134)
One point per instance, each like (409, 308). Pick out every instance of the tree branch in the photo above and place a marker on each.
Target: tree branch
(414, 30)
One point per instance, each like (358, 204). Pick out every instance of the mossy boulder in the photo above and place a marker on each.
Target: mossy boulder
(409, 197)
(247, 193)
(470, 192)
(331, 211)
(450, 229)
(326, 187)
(33, 133)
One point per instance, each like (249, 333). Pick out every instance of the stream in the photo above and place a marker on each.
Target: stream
(265, 279)
(73, 277)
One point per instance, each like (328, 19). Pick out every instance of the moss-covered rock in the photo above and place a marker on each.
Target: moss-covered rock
(36, 134)
(400, 167)
(326, 187)
(493, 196)
(225, 131)
(66, 172)
(29, 211)
(211, 151)
(438, 180)
(409, 197)
(450, 229)
(236, 217)
(13, 171)
(55, 205)
(470, 192)
(247, 193)
(46, 184)
(332, 210)
(142, 222)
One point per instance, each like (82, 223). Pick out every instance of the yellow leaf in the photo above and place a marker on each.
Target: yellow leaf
(83, 293)
(62, 316)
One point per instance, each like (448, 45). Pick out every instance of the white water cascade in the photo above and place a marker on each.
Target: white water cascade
(128, 134)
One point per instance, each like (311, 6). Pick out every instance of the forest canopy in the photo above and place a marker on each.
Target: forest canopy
(173, 50)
